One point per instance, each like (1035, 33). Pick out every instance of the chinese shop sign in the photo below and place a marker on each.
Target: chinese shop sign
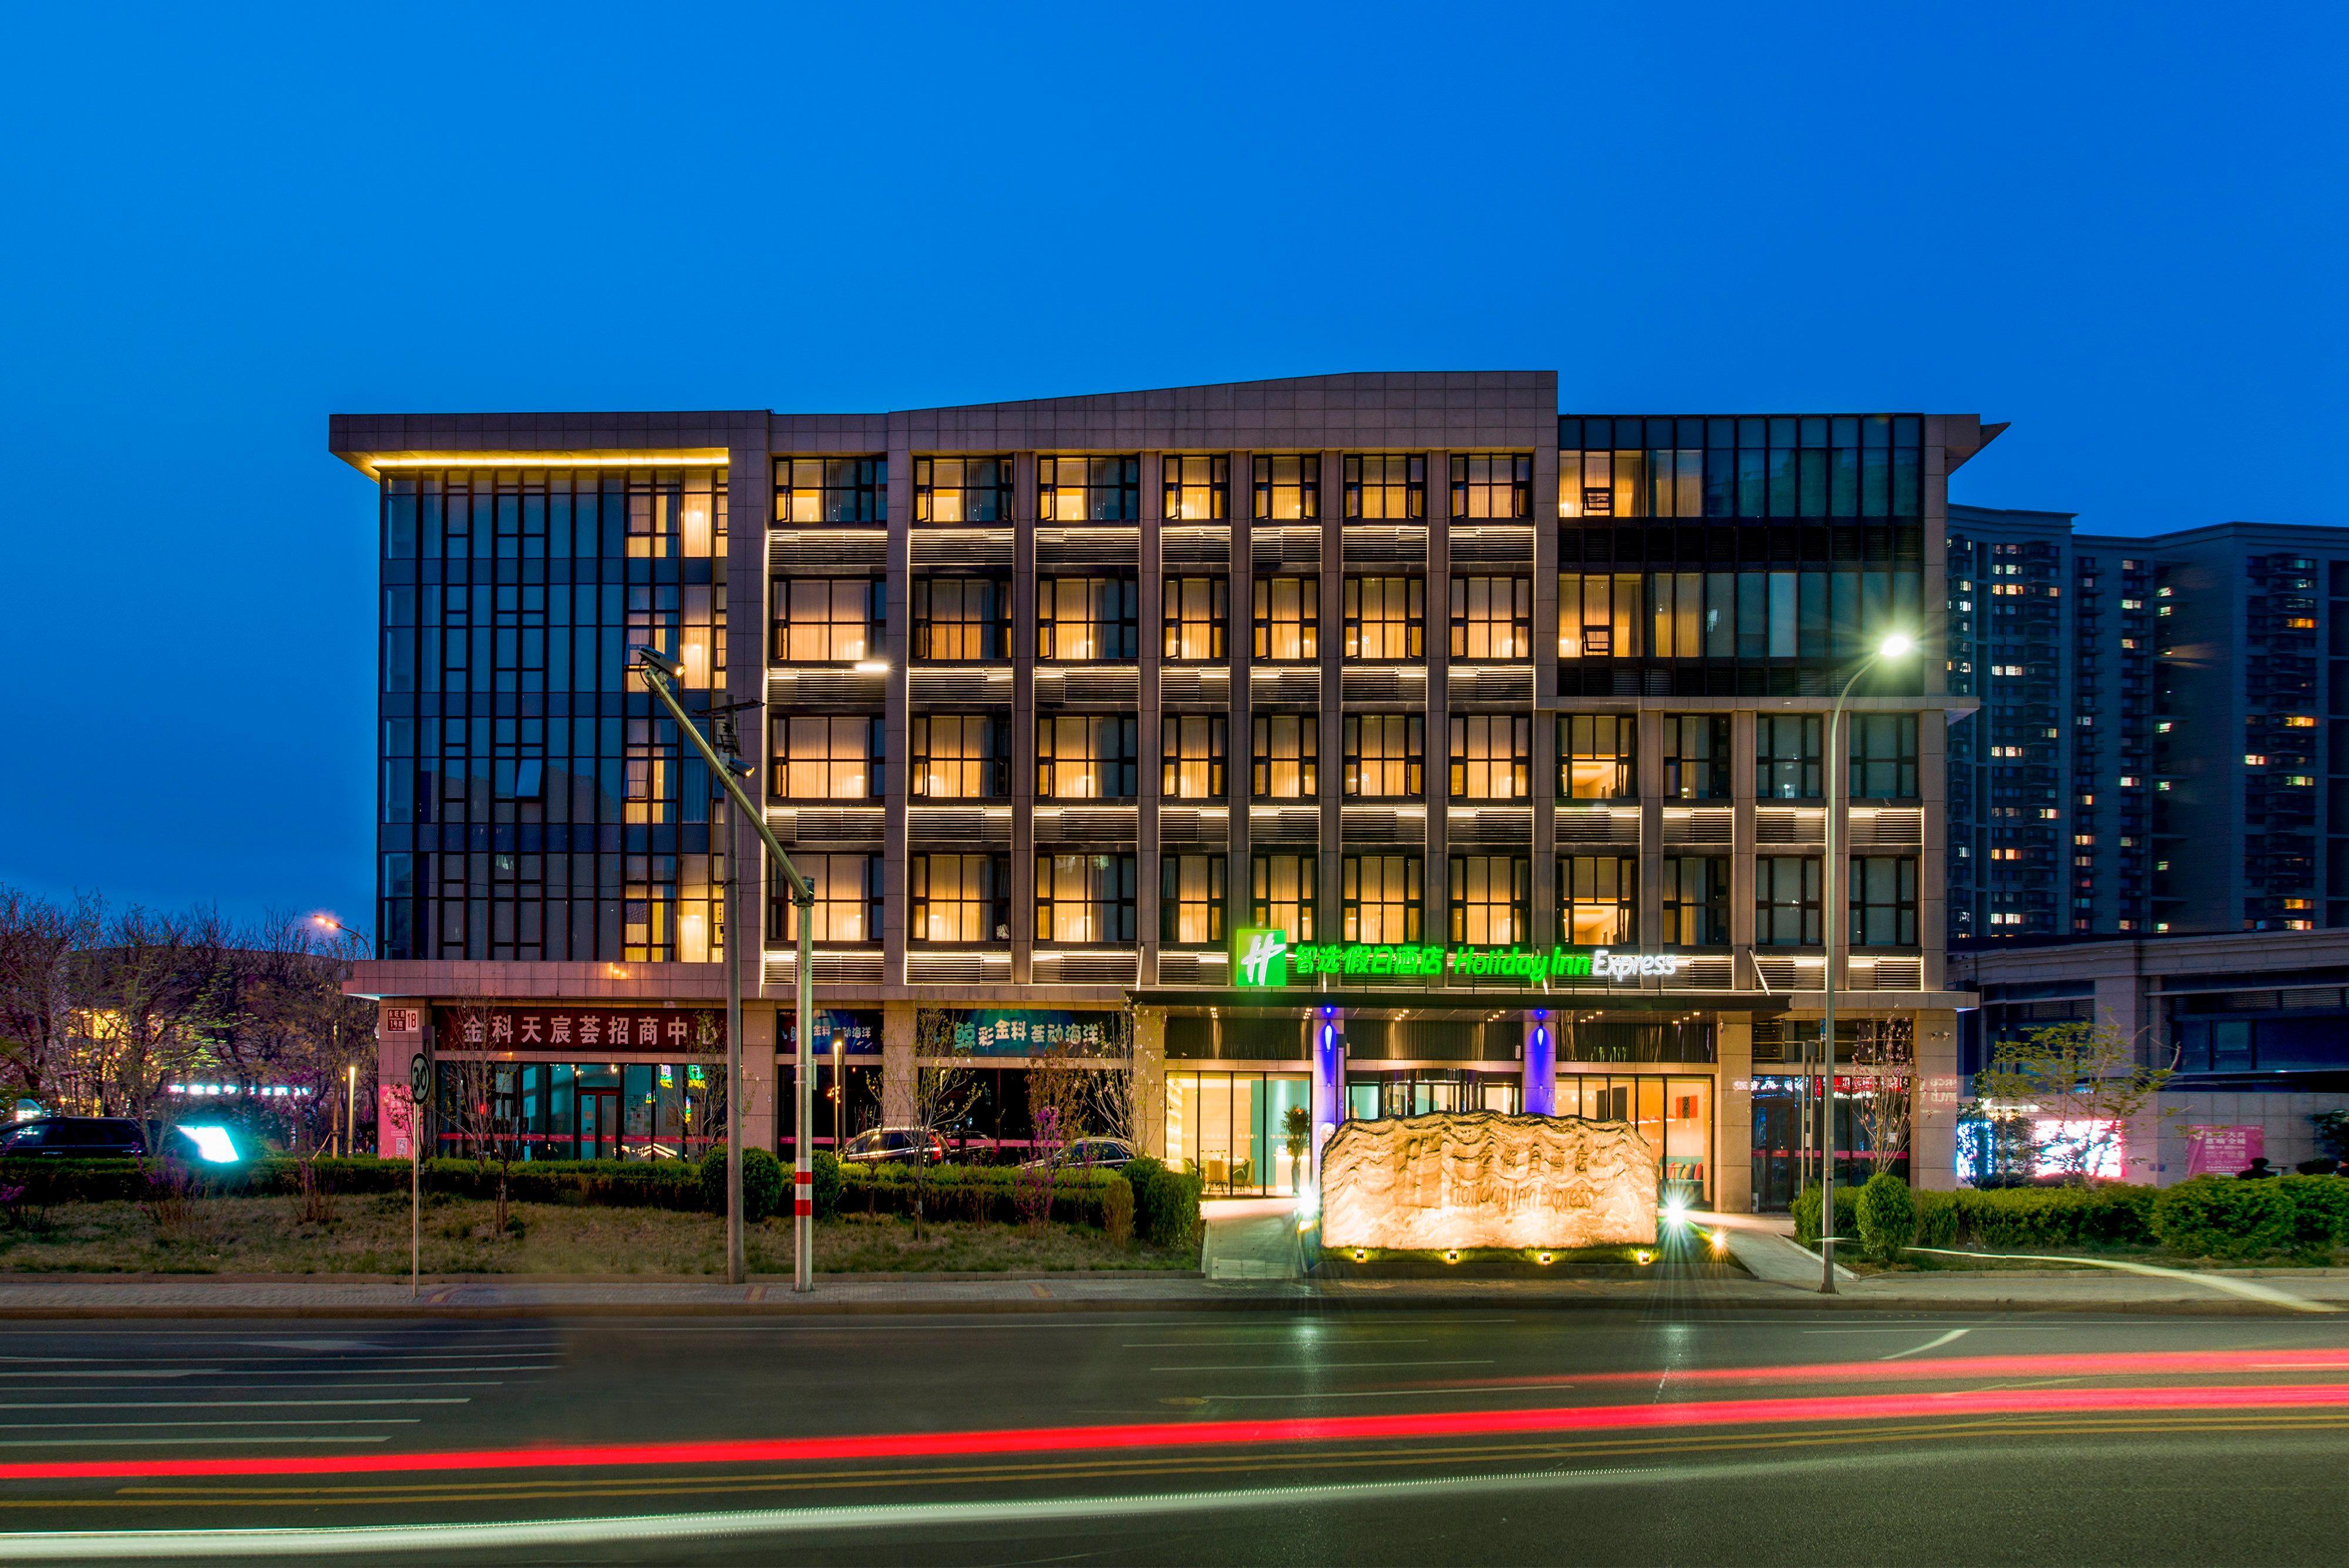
(567, 1028)
(991, 1032)
(1262, 957)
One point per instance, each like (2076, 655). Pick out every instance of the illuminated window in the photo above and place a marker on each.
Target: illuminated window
(1491, 756)
(1386, 485)
(1086, 619)
(962, 490)
(1198, 489)
(1194, 611)
(1287, 619)
(1490, 896)
(827, 759)
(1598, 755)
(820, 619)
(1386, 618)
(1491, 484)
(958, 757)
(1380, 899)
(958, 898)
(1084, 898)
(1191, 900)
(961, 619)
(1085, 757)
(1289, 488)
(1599, 900)
(1492, 619)
(1087, 489)
(1598, 616)
(1385, 756)
(1287, 756)
(1191, 756)
(832, 490)
(847, 899)
(1282, 889)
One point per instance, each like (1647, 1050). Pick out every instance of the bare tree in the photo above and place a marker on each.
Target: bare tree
(945, 1088)
(478, 1100)
(1113, 1102)
(1884, 1063)
(294, 1029)
(41, 945)
(157, 997)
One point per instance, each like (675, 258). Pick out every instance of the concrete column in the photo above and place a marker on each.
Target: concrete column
(763, 1122)
(1238, 599)
(1147, 780)
(1540, 1065)
(1733, 1114)
(1545, 774)
(898, 651)
(1933, 1118)
(1741, 852)
(1023, 714)
(897, 1063)
(1651, 772)
(1333, 675)
(1435, 870)
(1150, 1081)
(1933, 860)
(1329, 1050)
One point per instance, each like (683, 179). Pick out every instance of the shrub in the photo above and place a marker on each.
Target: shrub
(762, 1185)
(827, 1184)
(984, 1194)
(1807, 1214)
(1117, 1210)
(1888, 1217)
(1165, 1202)
(2217, 1216)
(1937, 1219)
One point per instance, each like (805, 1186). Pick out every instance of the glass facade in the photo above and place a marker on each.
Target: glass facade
(1235, 1129)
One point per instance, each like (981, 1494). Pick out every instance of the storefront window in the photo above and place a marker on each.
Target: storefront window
(1233, 1130)
(1673, 1113)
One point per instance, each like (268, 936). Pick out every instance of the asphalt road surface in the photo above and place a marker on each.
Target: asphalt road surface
(1360, 1437)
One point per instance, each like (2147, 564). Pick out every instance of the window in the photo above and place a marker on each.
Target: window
(1087, 489)
(1786, 901)
(1287, 617)
(1696, 756)
(1884, 901)
(1491, 895)
(1289, 488)
(961, 619)
(1491, 484)
(952, 756)
(958, 898)
(1696, 901)
(1194, 613)
(1287, 756)
(1281, 893)
(1386, 485)
(1386, 756)
(1386, 618)
(1492, 757)
(1598, 755)
(962, 490)
(820, 619)
(1191, 756)
(1598, 616)
(1191, 900)
(1198, 489)
(1084, 898)
(1883, 757)
(1380, 899)
(827, 759)
(1786, 756)
(847, 899)
(1085, 757)
(1084, 619)
(832, 490)
(1492, 617)
(1599, 900)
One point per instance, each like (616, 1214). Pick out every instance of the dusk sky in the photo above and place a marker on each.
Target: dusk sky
(2119, 227)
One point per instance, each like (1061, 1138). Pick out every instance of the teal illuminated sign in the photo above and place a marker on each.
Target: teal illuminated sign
(1264, 957)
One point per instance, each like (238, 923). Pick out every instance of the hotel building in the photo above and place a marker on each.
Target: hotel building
(1358, 745)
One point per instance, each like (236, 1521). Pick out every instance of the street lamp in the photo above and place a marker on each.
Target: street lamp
(660, 672)
(1892, 645)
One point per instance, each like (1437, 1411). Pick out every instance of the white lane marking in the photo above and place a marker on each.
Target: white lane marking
(1396, 1393)
(304, 1384)
(1316, 1341)
(1320, 1365)
(99, 1364)
(217, 1404)
(247, 1438)
(2246, 1288)
(1930, 1344)
(240, 1421)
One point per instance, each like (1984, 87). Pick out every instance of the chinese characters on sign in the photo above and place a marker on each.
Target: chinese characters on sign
(2224, 1150)
(1264, 957)
(560, 1028)
(988, 1031)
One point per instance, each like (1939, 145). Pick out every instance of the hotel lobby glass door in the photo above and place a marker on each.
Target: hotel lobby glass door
(599, 1124)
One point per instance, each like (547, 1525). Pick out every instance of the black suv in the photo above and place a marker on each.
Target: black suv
(77, 1137)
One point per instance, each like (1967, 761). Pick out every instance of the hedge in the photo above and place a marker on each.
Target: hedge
(2009, 1216)
(1888, 1217)
(2228, 1217)
(976, 1192)
(1165, 1202)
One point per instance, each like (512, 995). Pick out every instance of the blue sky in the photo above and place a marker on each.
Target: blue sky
(2119, 227)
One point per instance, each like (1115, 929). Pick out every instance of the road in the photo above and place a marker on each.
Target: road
(1689, 1436)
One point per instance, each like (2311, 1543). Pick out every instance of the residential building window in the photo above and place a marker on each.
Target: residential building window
(1281, 891)
(1492, 619)
(1597, 757)
(1491, 484)
(1087, 489)
(1884, 901)
(1386, 756)
(1491, 898)
(832, 490)
(1492, 757)
(1194, 613)
(1191, 900)
(961, 619)
(1599, 900)
(827, 759)
(1386, 618)
(1084, 898)
(962, 490)
(1085, 620)
(958, 898)
(1085, 757)
(1883, 757)
(1696, 756)
(958, 757)
(1198, 489)
(1381, 898)
(1386, 485)
(1786, 756)
(1287, 619)
(1598, 616)
(1287, 754)
(847, 900)
(1289, 488)
(1696, 901)
(1786, 901)
(829, 620)
(1191, 756)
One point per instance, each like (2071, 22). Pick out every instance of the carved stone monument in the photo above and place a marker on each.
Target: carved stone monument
(1479, 1178)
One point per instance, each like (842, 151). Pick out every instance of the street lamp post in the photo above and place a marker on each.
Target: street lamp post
(1897, 645)
(660, 672)
(350, 1069)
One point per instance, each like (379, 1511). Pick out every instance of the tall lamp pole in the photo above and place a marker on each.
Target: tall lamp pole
(350, 1069)
(1897, 645)
(660, 672)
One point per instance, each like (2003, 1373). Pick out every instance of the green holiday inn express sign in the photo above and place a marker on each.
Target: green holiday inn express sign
(1264, 957)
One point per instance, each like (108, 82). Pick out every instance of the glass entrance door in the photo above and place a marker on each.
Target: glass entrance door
(599, 1124)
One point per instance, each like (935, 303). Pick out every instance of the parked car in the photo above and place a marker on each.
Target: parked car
(1089, 1154)
(113, 1138)
(895, 1146)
